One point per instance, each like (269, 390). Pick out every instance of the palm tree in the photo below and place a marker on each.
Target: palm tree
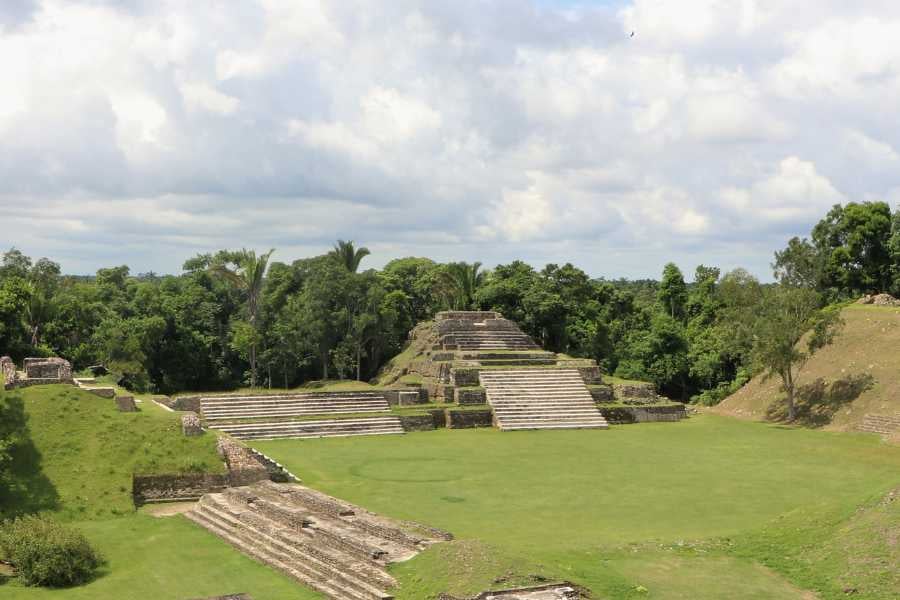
(246, 271)
(348, 255)
(39, 311)
(463, 280)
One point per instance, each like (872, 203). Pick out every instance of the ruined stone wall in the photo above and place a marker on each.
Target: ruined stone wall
(171, 487)
(48, 368)
(466, 419)
(624, 415)
(8, 368)
(883, 424)
(244, 467)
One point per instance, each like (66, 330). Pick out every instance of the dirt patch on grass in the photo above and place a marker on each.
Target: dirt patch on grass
(168, 509)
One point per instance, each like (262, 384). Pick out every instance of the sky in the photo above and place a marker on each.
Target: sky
(144, 132)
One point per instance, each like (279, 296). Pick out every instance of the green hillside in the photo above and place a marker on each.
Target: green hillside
(859, 374)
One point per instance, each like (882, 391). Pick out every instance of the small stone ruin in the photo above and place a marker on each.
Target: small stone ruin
(37, 371)
(879, 300)
(126, 404)
(190, 424)
(556, 591)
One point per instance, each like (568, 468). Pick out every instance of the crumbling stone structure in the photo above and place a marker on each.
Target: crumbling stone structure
(190, 424)
(244, 468)
(330, 545)
(126, 404)
(8, 369)
(37, 371)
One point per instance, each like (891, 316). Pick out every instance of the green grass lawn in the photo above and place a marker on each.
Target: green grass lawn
(78, 452)
(673, 508)
(167, 558)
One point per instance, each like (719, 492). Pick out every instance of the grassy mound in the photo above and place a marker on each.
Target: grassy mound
(659, 507)
(78, 452)
(854, 376)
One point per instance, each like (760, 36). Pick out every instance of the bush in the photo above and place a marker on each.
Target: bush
(46, 553)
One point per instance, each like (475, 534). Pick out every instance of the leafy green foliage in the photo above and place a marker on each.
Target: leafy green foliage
(46, 553)
(787, 316)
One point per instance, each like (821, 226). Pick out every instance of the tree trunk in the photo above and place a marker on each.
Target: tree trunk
(359, 362)
(284, 370)
(35, 338)
(252, 365)
(325, 366)
(789, 388)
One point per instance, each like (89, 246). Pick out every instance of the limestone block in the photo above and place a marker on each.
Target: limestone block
(103, 392)
(126, 404)
(190, 424)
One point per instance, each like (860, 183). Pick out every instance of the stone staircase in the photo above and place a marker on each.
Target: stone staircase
(270, 430)
(326, 544)
(222, 408)
(540, 399)
(883, 424)
(489, 340)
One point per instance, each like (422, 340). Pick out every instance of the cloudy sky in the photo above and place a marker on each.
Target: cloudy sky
(147, 131)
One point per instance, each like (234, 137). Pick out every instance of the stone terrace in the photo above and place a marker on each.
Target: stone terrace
(329, 545)
(480, 331)
(279, 416)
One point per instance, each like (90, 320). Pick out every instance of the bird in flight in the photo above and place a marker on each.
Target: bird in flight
(632, 34)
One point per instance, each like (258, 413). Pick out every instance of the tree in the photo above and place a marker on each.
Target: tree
(853, 243)
(799, 265)
(894, 249)
(672, 292)
(348, 255)
(790, 329)
(246, 271)
(462, 282)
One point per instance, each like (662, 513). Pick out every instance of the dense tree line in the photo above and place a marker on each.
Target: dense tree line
(237, 318)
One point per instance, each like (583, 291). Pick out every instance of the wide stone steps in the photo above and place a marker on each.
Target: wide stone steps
(332, 580)
(327, 544)
(243, 407)
(313, 429)
(288, 411)
(540, 399)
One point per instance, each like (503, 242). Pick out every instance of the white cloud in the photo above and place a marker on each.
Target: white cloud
(471, 129)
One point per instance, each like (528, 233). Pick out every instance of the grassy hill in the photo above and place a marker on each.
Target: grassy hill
(77, 452)
(856, 375)
(74, 459)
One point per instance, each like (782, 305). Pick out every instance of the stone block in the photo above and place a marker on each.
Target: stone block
(466, 396)
(126, 404)
(190, 424)
(466, 419)
(103, 392)
(602, 393)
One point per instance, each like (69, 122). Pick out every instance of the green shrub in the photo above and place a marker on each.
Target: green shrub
(47, 553)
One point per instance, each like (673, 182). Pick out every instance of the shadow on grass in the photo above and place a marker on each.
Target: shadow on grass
(816, 403)
(24, 488)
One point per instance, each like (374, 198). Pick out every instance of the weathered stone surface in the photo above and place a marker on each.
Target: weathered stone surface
(172, 487)
(48, 368)
(325, 543)
(623, 415)
(879, 300)
(635, 393)
(244, 468)
(126, 404)
(229, 597)
(467, 396)
(466, 419)
(8, 369)
(883, 424)
(554, 591)
(406, 397)
(602, 393)
(103, 392)
(187, 403)
(464, 377)
(190, 424)
(417, 422)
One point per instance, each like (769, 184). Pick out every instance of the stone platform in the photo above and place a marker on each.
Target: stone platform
(334, 547)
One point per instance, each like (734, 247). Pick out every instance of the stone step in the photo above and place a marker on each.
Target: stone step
(316, 578)
(255, 517)
(538, 425)
(314, 429)
(248, 414)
